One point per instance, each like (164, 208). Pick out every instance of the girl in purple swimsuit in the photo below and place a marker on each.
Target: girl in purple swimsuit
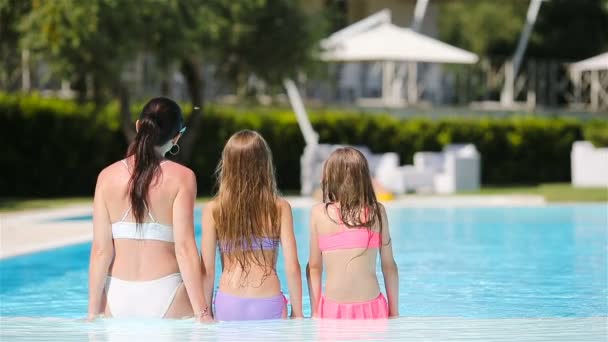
(248, 221)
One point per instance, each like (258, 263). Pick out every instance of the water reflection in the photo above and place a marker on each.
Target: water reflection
(401, 329)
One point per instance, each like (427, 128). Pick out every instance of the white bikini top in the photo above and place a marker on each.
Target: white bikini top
(147, 230)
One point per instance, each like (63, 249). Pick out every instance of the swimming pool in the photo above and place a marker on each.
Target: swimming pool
(473, 265)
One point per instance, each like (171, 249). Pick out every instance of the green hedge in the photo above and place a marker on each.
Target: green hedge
(52, 147)
(56, 148)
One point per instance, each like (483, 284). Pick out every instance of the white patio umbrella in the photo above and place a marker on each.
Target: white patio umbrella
(598, 86)
(390, 43)
(599, 62)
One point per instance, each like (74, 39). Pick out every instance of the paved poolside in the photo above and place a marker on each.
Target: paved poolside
(29, 231)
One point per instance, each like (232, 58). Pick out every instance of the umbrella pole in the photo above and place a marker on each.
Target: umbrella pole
(512, 67)
(310, 136)
(412, 83)
(388, 69)
(595, 90)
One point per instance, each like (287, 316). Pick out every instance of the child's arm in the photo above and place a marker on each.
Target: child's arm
(314, 269)
(208, 247)
(292, 264)
(389, 267)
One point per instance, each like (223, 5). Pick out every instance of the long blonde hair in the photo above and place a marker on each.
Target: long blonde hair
(347, 180)
(246, 200)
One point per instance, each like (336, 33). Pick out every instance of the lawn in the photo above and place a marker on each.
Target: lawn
(560, 192)
(18, 204)
(553, 192)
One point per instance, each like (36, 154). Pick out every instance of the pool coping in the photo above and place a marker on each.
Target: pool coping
(35, 230)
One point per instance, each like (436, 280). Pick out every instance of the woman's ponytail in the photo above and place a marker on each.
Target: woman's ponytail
(161, 120)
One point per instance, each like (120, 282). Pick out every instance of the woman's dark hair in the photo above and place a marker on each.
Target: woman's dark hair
(160, 121)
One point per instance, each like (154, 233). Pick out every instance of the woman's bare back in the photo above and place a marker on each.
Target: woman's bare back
(142, 260)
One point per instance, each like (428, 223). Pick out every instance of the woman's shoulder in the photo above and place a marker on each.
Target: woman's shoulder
(111, 170)
(179, 172)
(176, 167)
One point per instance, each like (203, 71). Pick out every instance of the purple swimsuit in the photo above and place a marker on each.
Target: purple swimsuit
(233, 308)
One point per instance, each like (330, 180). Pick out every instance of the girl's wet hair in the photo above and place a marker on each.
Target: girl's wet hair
(347, 181)
(160, 120)
(247, 196)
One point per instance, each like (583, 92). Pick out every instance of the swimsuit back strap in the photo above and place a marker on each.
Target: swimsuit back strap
(124, 216)
(149, 213)
(341, 224)
(124, 161)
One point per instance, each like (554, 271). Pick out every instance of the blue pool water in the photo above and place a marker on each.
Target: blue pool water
(537, 262)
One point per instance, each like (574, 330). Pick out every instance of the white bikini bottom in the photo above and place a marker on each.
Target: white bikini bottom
(141, 299)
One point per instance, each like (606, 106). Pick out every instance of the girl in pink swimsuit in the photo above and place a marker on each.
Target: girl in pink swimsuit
(347, 232)
(248, 221)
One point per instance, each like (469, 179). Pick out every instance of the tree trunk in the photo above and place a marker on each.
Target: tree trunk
(125, 112)
(190, 69)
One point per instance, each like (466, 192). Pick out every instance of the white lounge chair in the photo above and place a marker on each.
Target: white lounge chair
(589, 165)
(461, 170)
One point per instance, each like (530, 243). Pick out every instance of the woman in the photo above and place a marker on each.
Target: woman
(144, 260)
(248, 221)
(347, 232)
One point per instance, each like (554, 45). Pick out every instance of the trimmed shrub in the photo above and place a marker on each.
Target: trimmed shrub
(56, 148)
(53, 147)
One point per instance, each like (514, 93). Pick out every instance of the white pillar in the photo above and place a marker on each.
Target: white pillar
(26, 83)
(506, 96)
(388, 70)
(412, 82)
(595, 90)
(66, 91)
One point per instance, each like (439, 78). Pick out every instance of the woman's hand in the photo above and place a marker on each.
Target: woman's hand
(206, 320)
(204, 316)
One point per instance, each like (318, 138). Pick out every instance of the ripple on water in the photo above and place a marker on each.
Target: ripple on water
(400, 329)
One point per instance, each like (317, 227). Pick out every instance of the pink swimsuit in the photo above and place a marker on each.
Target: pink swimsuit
(348, 238)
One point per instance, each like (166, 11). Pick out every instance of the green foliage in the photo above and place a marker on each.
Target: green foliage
(570, 29)
(58, 150)
(241, 34)
(565, 29)
(96, 37)
(52, 147)
(485, 27)
(596, 131)
(10, 13)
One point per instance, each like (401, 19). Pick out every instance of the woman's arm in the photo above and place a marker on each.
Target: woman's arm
(292, 265)
(208, 247)
(389, 267)
(185, 246)
(314, 269)
(102, 251)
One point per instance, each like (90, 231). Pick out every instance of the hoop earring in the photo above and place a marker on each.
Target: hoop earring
(171, 150)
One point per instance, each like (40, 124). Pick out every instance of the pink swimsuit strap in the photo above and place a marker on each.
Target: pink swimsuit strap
(348, 237)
